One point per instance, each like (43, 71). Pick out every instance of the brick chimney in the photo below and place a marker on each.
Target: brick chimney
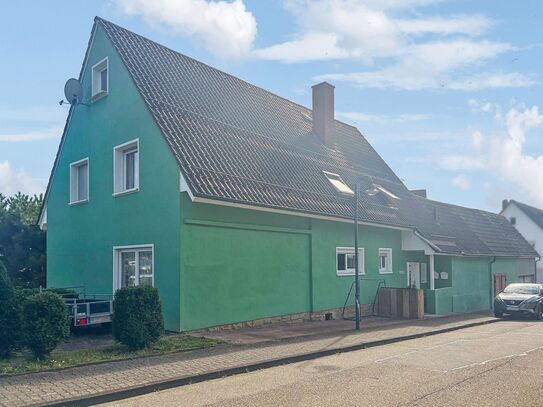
(323, 112)
(505, 202)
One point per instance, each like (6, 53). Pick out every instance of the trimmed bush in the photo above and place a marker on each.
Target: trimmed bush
(137, 316)
(10, 314)
(46, 323)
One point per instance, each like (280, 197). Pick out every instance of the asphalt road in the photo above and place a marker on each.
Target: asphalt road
(500, 364)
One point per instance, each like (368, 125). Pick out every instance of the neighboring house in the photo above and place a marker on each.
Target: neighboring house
(529, 222)
(236, 203)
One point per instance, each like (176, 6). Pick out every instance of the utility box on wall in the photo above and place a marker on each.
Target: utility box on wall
(401, 303)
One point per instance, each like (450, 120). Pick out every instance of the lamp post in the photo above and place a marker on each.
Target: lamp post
(356, 260)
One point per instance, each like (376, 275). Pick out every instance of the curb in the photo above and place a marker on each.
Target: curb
(182, 381)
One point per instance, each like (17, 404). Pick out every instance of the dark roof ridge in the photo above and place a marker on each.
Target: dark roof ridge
(457, 206)
(307, 109)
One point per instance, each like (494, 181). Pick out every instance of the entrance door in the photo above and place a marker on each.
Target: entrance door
(413, 275)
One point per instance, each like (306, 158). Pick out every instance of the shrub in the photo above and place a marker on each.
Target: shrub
(10, 314)
(137, 316)
(46, 323)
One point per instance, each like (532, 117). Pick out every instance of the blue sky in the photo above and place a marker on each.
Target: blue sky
(448, 92)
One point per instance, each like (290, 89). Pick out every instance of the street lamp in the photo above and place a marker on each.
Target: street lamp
(369, 192)
(356, 268)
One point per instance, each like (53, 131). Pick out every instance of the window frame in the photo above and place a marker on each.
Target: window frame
(361, 261)
(117, 266)
(388, 252)
(96, 79)
(339, 185)
(119, 167)
(74, 179)
(423, 270)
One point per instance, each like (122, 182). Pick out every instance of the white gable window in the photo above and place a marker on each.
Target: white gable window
(100, 79)
(345, 261)
(338, 183)
(126, 168)
(79, 181)
(133, 266)
(385, 261)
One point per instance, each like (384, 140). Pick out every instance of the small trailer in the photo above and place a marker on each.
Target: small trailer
(86, 310)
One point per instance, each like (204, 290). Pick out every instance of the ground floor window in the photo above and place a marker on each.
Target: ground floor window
(385, 261)
(526, 279)
(133, 266)
(345, 261)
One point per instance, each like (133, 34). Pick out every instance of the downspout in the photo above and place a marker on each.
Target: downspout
(535, 267)
(490, 274)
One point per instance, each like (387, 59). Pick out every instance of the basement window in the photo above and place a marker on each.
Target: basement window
(345, 261)
(338, 183)
(79, 181)
(100, 79)
(126, 167)
(385, 261)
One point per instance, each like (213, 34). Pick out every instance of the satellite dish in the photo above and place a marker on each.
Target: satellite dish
(73, 91)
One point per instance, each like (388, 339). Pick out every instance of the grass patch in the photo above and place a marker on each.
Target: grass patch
(24, 363)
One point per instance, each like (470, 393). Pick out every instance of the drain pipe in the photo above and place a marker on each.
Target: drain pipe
(535, 268)
(491, 282)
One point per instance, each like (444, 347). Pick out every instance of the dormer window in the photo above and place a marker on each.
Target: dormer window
(100, 79)
(338, 183)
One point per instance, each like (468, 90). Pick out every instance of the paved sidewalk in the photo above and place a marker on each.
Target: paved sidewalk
(91, 384)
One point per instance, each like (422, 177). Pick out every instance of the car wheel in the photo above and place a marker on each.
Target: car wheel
(539, 313)
(498, 314)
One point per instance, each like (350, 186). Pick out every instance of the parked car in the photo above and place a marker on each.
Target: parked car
(520, 299)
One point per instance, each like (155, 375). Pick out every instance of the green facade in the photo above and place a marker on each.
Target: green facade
(80, 238)
(214, 264)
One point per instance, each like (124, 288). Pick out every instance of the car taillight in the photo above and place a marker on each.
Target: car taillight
(81, 321)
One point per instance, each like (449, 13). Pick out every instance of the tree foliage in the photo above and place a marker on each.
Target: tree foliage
(22, 243)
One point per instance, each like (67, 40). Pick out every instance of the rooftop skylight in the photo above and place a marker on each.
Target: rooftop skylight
(338, 183)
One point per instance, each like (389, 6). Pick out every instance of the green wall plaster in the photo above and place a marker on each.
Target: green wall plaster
(239, 264)
(81, 238)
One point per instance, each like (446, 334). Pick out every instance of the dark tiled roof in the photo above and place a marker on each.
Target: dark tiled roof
(535, 214)
(237, 142)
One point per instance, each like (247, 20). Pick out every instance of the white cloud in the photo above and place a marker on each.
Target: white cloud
(493, 80)
(225, 28)
(462, 182)
(13, 181)
(382, 118)
(502, 155)
(469, 25)
(34, 135)
(414, 51)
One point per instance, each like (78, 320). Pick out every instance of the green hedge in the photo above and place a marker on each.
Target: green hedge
(10, 315)
(46, 323)
(137, 316)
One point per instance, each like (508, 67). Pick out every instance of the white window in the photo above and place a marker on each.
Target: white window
(338, 183)
(133, 266)
(79, 181)
(385, 260)
(423, 273)
(345, 261)
(100, 79)
(126, 165)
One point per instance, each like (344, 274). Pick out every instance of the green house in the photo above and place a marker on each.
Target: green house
(237, 204)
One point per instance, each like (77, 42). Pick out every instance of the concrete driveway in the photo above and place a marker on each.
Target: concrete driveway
(490, 365)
